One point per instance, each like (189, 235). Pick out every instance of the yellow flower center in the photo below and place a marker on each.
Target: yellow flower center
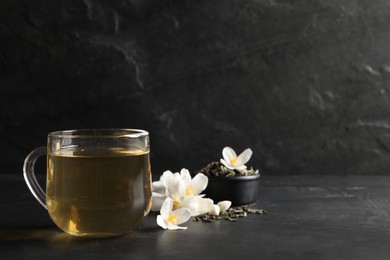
(172, 219)
(233, 161)
(190, 191)
(176, 204)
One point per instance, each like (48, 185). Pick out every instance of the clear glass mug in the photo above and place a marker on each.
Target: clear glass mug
(98, 181)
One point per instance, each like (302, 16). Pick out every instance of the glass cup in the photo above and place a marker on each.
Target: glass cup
(98, 181)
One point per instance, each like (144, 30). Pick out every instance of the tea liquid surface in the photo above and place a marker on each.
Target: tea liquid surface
(98, 192)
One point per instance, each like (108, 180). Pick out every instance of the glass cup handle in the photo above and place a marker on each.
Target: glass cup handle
(29, 175)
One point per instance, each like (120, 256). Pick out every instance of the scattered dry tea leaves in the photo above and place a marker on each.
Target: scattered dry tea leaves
(231, 214)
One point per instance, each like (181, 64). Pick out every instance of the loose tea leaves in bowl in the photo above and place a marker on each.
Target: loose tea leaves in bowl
(238, 186)
(218, 169)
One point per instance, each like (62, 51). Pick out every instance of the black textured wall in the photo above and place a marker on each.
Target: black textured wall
(304, 83)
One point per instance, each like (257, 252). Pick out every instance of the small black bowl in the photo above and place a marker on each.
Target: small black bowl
(240, 190)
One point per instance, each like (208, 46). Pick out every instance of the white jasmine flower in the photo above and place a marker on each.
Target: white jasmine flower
(159, 189)
(196, 185)
(182, 189)
(232, 161)
(171, 219)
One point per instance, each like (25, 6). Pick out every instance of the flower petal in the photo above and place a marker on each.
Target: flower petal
(177, 176)
(167, 177)
(240, 167)
(185, 176)
(175, 187)
(158, 186)
(224, 205)
(204, 205)
(197, 205)
(161, 222)
(228, 153)
(166, 208)
(244, 157)
(199, 183)
(166, 173)
(214, 210)
(182, 215)
(228, 165)
(190, 203)
(157, 201)
(174, 227)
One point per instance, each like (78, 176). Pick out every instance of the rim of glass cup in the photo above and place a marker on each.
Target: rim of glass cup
(100, 133)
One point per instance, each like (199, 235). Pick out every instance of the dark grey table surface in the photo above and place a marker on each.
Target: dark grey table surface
(310, 217)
